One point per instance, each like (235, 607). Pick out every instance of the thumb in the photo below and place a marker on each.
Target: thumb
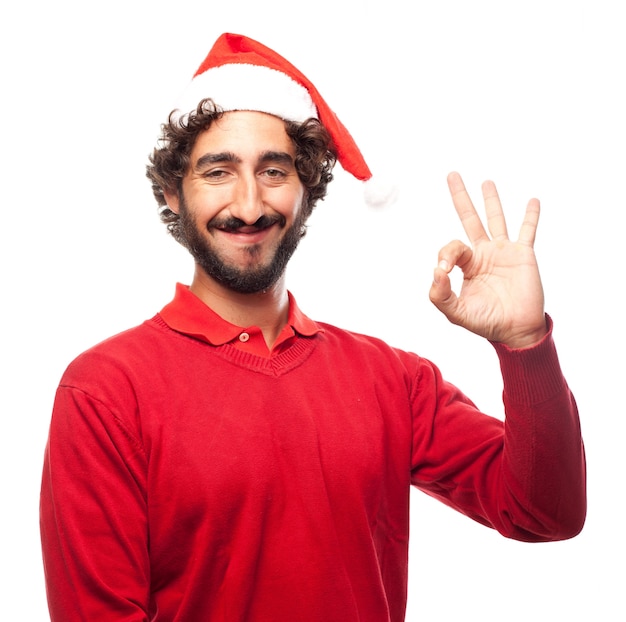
(441, 294)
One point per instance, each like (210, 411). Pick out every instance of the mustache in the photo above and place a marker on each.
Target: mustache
(232, 223)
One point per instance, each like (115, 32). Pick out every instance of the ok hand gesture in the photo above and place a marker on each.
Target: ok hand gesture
(501, 298)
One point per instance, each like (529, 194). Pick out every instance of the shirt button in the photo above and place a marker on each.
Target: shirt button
(244, 337)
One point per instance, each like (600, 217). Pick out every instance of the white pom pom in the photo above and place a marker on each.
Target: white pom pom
(379, 192)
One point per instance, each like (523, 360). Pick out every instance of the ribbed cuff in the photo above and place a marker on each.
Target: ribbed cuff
(531, 375)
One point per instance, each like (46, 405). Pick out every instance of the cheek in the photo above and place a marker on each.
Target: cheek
(205, 203)
(290, 202)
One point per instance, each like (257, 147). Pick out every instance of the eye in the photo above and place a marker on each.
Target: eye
(274, 173)
(215, 174)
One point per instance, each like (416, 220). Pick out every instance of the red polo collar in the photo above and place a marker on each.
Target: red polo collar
(187, 314)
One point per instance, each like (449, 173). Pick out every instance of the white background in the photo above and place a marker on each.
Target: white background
(530, 94)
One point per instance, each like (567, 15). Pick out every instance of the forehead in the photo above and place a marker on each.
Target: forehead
(244, 133)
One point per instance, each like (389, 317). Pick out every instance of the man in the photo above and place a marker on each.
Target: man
(232, 459)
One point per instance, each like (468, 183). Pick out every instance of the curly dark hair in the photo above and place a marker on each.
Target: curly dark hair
(169, 161)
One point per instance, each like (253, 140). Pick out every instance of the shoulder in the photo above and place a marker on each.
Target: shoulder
(363, 347)
(116, 356)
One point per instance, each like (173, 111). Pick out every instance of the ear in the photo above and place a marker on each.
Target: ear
(172, 200)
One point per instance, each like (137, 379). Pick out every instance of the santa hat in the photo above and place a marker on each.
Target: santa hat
(242, 74)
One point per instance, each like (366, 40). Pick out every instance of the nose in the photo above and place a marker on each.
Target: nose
(247, 204)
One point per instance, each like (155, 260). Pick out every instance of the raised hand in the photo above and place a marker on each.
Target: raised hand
(501, 298)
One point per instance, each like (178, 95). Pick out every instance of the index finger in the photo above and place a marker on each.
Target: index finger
(470, 220)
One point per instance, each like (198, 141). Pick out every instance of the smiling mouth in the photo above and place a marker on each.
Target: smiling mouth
(236, 225)
(245, 229)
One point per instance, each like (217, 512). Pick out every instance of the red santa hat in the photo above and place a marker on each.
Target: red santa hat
(242, 74)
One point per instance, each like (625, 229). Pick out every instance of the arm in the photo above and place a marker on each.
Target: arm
(528, 481)
(93, 514)
(524, 477)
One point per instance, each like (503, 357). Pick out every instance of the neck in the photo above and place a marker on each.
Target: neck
(268, 310)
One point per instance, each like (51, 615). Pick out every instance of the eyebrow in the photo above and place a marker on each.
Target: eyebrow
(276, 156)
(214, 158)
(227, 156)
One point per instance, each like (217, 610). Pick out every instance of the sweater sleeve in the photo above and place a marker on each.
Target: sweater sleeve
(525, 476)
(93, 513)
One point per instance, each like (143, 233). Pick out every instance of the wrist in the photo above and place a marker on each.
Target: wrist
(528, 339)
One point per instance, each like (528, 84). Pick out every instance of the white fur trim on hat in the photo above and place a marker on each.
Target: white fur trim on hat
(249, 87)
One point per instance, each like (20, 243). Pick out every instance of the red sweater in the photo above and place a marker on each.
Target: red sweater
(191, 481)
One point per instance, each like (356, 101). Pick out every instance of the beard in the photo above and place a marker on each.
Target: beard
(247, 280)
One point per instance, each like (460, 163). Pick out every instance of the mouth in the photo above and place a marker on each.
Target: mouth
(244, 229)
(235, 226)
